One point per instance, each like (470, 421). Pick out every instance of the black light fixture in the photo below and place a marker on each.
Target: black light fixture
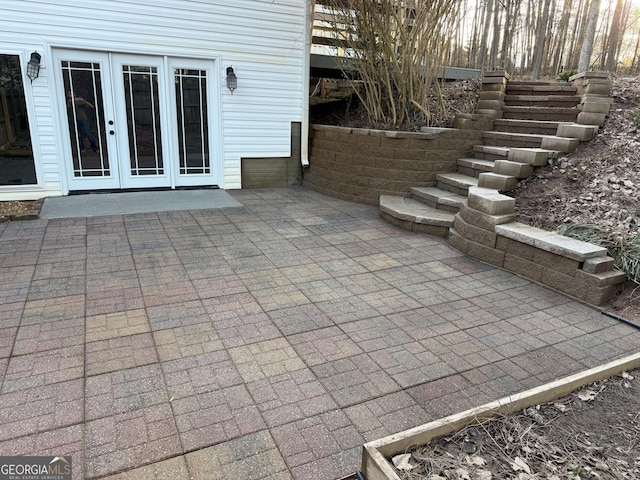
(33, 67)
(232, 80)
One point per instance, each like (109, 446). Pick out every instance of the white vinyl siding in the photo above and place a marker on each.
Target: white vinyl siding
(264, 41)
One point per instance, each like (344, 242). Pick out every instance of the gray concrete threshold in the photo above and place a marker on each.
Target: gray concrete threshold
(101, 204)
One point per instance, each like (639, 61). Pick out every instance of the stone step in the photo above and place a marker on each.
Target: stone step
(497, 181)
(583, 133)
(474, 166)
(515, 169)
(536, 157)
(488, 152)
(542, 100)
(414, 215)
(456, 182)
(531, 88)
(438, 198)
(543, 127)
(558, 114)
(507, 139)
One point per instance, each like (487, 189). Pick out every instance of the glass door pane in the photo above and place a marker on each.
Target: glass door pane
(192, 121)
(86, 120)
(17, 163)
(142, 105)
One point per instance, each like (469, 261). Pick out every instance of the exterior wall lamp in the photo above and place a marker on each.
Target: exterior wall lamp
(232, 80)
(33, 67)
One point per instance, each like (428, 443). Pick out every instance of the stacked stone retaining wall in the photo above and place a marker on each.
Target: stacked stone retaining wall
(359, 165)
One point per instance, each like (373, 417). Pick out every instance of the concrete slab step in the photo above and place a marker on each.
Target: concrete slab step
(488, 152)
(415, 215)
(536, 157)
(496, 181)
(438, 198)
(531, 88)
(559, 114)
(474, 166)
(455, 182)
(507, 139)
(542, 100)
(543, 127)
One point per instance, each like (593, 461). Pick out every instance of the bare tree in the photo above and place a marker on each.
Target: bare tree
(589, 36)
(397, 49)
(540, 40)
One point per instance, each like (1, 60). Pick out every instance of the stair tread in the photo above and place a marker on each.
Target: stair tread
(415, 211)
(518, 121)
(512, 134)
(440, 196)
(458, 178)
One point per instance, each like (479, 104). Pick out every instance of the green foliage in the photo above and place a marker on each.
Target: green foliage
(625, 253)
(564, 76)
(635, 117)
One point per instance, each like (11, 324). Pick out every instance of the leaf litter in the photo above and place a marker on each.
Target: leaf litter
(593, 433)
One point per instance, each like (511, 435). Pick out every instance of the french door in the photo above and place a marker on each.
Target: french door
(138, 121)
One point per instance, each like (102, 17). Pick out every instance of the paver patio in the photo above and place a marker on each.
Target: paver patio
(267, 341)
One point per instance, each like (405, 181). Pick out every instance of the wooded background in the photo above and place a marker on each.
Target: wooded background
(539, 38)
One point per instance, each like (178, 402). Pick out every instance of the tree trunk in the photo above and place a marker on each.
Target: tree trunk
(540, 41)
(482, 52)
(589, 36)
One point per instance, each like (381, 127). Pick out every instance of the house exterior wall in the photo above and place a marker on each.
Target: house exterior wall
(264, 41)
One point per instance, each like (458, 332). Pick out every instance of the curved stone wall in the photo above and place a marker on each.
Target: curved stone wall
(359, 165)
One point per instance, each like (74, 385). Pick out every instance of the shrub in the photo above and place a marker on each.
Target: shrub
(564, 76)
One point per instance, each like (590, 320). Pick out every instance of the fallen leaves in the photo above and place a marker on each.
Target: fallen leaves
(591, 434)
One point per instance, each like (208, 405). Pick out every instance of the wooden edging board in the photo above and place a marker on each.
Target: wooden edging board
(374, 454)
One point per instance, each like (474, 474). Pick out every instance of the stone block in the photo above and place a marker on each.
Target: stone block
(498, 80)
(485, 254)
(564, 283)
(484, 220)
(457, 242)
(562, 144)
(490, 201)
(555, 262)
(598, 264)
(494, 87)
(502, 183)
(514, 169)
(584, 133)
(515, 248)
(597, 88)
(600, 295)
(492, 96)
(536, 157)
(612, 277)
(471, 232)
(595, 107)
(523, 267)
(490, 104)
(589, 118)
(489, 113)
(551, 242)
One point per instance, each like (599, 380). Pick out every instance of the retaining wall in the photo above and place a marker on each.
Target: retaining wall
(359, 165)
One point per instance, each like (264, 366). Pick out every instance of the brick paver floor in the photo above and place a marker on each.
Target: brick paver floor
(267, 341)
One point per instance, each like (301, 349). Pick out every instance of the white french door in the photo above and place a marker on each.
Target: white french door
(139, 121)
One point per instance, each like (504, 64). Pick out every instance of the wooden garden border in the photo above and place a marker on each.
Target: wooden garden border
(374, 455)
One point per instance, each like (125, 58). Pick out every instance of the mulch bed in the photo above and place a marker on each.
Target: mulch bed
(593, 433)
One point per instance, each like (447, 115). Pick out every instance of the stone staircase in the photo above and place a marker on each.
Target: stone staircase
(526, 124)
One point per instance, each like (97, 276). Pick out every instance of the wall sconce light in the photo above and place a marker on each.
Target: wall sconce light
(33, 67)
(232, 80)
